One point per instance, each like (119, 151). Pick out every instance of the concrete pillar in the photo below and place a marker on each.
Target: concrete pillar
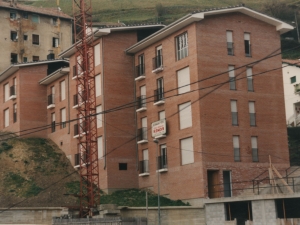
(264, 212)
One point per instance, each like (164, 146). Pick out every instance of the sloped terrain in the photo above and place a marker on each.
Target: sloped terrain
(34, 172)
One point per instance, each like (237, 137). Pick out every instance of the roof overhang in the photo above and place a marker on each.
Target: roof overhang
(14, 68)
(98, 33)
(282, 27)
(54, 76)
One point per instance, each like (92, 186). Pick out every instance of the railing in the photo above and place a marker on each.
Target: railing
(157, 62)
(140, 70)
(12, 90)
(144, 166)
(141, 101)
(230, 48)
(162, 162)
(158, 94)
(142, 134)
(50, 99)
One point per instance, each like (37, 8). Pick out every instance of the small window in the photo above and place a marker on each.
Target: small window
(247, 44)
(97, 54)
(25, 37)
(15, 113)
(35, 18)
(229, 43)
(6, 117)
(54, 21)
(252, 114)
(254, 149)
(236, 148)
(25, 59)
(182, 46)
(13, 36)
(62, 90)
(183, 80)
(35, 39)
(35, 58)
(232, 85)
(55, 42)
(140, 69)
(63, 118)
(13, 15)
(25, 15)
(122, 166)
(293, 79)
(187, 151)
(234, 113)
(13, 58)
(250, 79)
(53, 125)
(185, 115)
(100, 147)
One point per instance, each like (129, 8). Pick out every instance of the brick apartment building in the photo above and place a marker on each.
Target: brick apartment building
(31, 34)
(218, 133)
(177, 80)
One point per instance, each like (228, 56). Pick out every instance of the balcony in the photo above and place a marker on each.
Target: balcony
(159, 96)
(157, 63)
(142, 135)
(50, 101)
(140, 72)
(162, 164)
(144, 168)
(13, 93)
(79, 130)
(141, 103)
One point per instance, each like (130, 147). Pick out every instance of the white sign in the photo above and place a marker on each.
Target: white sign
(159, 128)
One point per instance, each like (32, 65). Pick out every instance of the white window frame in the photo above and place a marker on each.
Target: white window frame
(182, 47)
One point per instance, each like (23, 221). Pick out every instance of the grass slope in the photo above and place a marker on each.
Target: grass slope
(132, 11)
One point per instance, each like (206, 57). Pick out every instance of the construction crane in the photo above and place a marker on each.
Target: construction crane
(86, 117)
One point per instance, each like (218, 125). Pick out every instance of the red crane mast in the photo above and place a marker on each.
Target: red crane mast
(86, 114)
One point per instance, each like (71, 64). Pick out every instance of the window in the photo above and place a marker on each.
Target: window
(97, 54)
(122, 166)
(6, 92)
(25, 59)
(293, 79)
(161, 115)
(250, 79)
(100, 147)
(99, 116)
(62, 90)
(234, 113)
(13, 15)
(13, 58)
(35, 58)
(159, 92)
(140, 69)
(182, 46)
(254, 149)
(187, 151)
(35, 39)
(229, 42)
(6, 117)
(13, 89)
(183, 79)
(141, 101)
(25, 37)
(185, 115)
(54, 21)
(13, 35)
(252, 114)
(63, 118)
(15, 113)
(25, 15)
(144, 165)
(53, 122)
(162, 159)
(231, 78)
(98, 85)
(142, 132)
(35, 18)
(236, 148)
(158, 60)
(55, 42)
(247, 44)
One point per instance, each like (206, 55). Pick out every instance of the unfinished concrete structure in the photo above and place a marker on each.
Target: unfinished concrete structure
(31, 33)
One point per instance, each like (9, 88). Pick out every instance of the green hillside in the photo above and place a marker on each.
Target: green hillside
(131, 11)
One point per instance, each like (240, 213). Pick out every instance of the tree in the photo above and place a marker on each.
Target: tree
(280, 10)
